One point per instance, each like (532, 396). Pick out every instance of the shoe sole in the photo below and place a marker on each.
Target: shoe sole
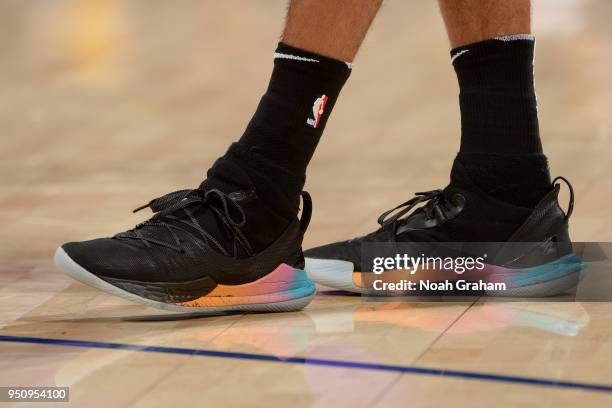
(544, 280)
(299, 291)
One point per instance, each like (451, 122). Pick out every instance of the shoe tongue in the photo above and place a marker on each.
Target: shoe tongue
(227, 176)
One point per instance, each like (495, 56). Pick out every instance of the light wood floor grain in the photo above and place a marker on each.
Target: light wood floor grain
(107, 104)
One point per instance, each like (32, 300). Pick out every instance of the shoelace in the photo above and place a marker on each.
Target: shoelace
(435, 207)
(165, 206)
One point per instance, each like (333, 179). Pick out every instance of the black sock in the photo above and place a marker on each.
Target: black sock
(516, 179)
(291, 116)
(500, 140)
(279, 142)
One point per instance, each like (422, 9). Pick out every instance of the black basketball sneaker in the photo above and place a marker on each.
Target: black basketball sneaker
(526, 249)
(204, 250)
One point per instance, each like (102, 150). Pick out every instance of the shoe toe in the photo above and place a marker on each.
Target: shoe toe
(110, 258)
(334, 273)
(344, 251)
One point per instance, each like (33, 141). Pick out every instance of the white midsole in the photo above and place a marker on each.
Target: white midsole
(333, 273)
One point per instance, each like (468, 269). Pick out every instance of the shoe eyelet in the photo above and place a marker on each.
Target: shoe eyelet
(458, 200)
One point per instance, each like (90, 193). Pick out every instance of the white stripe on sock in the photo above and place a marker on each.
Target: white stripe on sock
(293, 57)
(457, 55)
(515, 37)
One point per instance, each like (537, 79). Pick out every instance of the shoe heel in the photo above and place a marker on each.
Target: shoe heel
(549, 279)
(285, 289)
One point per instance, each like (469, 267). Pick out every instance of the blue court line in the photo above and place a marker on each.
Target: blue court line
(314, 361)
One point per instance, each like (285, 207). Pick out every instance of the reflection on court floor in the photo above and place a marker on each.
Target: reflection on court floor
(108, 103)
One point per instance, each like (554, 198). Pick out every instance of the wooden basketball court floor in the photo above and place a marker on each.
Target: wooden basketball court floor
(107, 104)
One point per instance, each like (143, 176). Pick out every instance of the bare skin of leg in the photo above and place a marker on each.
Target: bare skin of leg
(332, 28)
(470, 21)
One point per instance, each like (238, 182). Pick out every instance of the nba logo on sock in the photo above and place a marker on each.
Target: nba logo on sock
(317, 111)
